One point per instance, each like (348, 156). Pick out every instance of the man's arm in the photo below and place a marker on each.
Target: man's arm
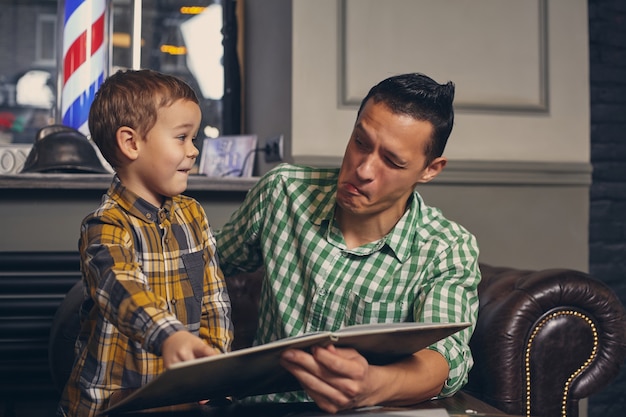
(339, 379)
(237, 240)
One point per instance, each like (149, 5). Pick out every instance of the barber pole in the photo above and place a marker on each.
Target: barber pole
(84, 63)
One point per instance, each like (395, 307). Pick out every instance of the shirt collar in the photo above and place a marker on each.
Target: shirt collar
(400, 239)
(136, 205)
(325, 209)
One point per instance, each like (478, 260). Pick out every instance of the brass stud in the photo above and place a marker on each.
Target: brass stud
(576, 373)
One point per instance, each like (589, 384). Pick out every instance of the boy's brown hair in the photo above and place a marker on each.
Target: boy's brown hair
(132, 98)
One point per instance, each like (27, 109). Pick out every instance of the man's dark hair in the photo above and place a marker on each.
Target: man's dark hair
(421, 98)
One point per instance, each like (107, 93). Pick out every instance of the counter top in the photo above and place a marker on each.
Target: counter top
(102, 182)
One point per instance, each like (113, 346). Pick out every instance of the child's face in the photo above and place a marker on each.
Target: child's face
(167, 153)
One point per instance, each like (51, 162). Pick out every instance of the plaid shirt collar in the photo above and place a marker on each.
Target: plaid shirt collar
(137, 206)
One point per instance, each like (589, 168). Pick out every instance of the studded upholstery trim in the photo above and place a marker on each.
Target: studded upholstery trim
(566, 388)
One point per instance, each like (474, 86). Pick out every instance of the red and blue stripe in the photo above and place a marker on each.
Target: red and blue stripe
(84, 59)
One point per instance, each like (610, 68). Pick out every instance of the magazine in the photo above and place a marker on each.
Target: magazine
(228, 156)
(256, 370)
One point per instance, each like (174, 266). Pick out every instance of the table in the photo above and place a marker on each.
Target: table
(460, 405)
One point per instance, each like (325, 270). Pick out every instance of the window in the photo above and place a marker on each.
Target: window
(46, 40)
(195, 40)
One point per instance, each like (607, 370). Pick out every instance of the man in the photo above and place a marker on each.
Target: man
(358, 245)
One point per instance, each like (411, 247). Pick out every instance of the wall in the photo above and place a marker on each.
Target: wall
(292, 72)
(267, 76)
(513, 63)
(539, 197)
(607, 229)
(519, 171)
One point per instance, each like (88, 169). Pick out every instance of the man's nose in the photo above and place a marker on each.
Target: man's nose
(366, 168)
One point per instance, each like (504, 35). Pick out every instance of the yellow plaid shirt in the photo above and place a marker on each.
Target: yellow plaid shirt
(148, 272)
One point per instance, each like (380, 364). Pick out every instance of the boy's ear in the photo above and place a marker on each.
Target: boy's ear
(433, 169)
(128, 142)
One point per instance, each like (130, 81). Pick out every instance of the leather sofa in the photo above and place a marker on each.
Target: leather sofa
(544, 339)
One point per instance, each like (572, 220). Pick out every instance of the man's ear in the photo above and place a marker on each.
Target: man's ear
(433, 169)
(127, 142)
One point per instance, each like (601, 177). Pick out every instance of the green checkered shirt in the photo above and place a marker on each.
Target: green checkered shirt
(424, 270)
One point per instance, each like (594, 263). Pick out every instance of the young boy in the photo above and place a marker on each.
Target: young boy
(155, 294)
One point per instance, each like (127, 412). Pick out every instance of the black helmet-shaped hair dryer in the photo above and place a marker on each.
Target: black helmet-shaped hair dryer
(59, 149)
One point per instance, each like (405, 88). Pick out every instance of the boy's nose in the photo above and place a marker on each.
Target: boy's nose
(193, 152)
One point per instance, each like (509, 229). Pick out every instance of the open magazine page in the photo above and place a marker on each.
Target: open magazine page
(256, 370)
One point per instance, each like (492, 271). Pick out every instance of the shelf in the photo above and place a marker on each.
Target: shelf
(102, 182)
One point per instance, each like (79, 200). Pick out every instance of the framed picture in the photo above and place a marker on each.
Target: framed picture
(228, 156)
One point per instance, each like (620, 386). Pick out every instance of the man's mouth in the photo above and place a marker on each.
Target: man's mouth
(351, 189)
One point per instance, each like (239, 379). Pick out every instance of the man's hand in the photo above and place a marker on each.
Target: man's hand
(336, 378)
(184, 346)
(340, 378)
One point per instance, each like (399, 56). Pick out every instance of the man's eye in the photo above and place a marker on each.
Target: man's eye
(394, 164)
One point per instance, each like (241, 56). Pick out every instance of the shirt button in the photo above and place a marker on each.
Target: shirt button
(173, 301)
(322, 292)
(148, 215)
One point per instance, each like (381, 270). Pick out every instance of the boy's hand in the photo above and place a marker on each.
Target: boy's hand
(184, 346)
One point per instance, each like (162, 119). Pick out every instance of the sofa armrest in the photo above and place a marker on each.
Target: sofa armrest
(544, 340)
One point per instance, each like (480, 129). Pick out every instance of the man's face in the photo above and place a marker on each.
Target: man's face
(384, 161)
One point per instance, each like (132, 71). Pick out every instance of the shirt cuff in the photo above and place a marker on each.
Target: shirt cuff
(161, 330)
